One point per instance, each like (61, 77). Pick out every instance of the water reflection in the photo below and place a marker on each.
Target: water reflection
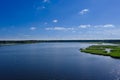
(55, 61)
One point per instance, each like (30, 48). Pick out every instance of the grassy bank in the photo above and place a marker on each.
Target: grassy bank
(105, 50)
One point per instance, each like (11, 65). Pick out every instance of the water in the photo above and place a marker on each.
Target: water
(55, 61)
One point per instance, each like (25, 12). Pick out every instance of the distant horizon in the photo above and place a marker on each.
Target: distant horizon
(51, 39)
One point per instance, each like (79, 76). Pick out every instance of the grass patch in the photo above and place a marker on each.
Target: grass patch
(102, 50)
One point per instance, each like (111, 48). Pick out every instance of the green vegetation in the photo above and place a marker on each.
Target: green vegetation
(105, 50)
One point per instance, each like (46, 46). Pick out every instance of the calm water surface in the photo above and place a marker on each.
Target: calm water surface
(55, 61)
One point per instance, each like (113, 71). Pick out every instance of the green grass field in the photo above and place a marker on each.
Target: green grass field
(101, 50)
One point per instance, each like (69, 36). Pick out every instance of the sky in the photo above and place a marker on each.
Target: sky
(59, 19)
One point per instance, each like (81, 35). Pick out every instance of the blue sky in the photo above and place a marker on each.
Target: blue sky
(59, 19)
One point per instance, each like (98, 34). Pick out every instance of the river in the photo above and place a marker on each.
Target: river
(55, 61)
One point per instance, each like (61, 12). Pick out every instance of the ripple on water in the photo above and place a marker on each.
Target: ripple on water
(116, 72)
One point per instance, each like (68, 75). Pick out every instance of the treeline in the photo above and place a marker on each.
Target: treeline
(38, 41)
(18, 42)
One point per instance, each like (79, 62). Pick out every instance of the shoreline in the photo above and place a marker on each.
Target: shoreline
(114, 51)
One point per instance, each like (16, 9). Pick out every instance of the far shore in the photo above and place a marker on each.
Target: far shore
(39, 41)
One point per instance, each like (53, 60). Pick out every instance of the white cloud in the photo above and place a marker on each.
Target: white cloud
(84, 11)
(48, 28)
(33, 28)
(105, 26)
(43, 7)
(109, 25)
(45, 23)
(84, 26)
(45, 1)
(59, 29)
(55, 21)
(97, 26)
(103, 31)
(40, 7)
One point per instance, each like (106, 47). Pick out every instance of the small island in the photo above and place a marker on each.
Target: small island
(105, 50)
